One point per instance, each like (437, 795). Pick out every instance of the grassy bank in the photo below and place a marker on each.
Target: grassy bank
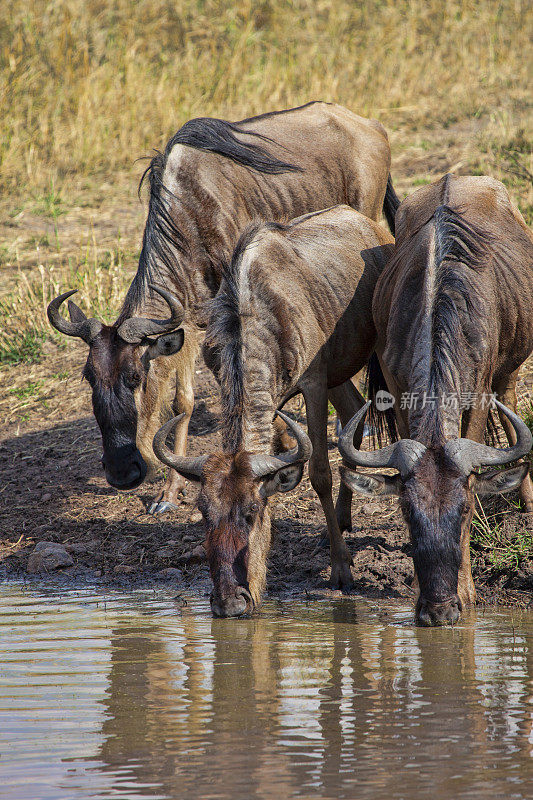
(87, 87)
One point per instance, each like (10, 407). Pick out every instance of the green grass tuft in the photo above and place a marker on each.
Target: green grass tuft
(24, 347)
(28, 390)
(504, 549)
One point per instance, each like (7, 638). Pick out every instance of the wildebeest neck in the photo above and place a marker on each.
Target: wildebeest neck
(452, 334)
(246, 339)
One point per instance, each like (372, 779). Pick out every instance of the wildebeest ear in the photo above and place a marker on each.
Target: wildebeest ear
(370, 485)
(283, 480)
(166, 345)
(499, 481)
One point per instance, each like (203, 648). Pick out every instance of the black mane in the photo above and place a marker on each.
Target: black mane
(459, 324)
(218, 136)
(223, 343)
(162, 238)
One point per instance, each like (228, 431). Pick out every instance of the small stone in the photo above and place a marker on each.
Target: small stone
(198, 554)
(98, 573)
(46, 497)
(195, 517)
(171, 572)
(48, 556)
(123, 569)
(368, 509)
(164, 553)
(63, 463)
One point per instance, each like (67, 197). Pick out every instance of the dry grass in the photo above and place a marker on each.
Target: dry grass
(101, 279)
(86, 87)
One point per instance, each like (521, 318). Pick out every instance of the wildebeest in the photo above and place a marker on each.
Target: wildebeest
(214, 178)
(293, 314)
(454, 317)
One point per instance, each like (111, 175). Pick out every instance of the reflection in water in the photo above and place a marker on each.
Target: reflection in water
(135, 698)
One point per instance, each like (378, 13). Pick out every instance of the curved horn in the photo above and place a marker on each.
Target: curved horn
(136, 329)
(79, 325)
(265, 465)
(467, 454)
(190, 468)
(401, 455)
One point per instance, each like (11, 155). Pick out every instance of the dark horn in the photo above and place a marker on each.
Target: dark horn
(190, 468)
(467, 454)
(265, 465)
(136, 329)
(401, 455)
(84, 328)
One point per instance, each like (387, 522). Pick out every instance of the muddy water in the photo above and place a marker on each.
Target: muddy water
(138, 696)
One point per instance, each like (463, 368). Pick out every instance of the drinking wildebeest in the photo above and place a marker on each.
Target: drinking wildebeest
(293, 314)
(454, 318)
(213, 179)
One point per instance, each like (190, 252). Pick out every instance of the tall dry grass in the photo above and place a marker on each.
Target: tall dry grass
(100, 278)
(86, 86)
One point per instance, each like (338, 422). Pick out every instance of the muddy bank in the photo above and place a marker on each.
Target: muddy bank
(52, 489)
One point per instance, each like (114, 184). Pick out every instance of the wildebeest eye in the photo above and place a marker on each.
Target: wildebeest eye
(252, 511)
(133, 379)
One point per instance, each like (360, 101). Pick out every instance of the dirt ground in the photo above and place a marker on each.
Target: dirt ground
(52, 489)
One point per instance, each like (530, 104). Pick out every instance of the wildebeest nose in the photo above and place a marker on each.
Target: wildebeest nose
(232, 606)
(124, 470)
(431, 614)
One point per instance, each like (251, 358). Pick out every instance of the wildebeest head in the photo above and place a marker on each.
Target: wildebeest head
(116, 368)
(233, 501)
(436, 486)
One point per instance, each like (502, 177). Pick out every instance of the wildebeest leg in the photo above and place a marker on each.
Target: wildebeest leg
(316, 402)
(475, 428)
(506, 392)
(183, 370)
(347, 401)
(400, 413)
(283, 441)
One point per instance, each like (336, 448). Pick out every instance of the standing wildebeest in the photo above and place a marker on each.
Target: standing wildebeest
(293, 314)
(213, 180)
(454, 316)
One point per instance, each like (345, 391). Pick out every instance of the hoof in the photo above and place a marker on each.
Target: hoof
(161, 506)
(341, 577)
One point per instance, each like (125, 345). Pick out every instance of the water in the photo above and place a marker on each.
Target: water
(137, 696)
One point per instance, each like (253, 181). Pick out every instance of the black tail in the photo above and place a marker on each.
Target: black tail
(390, 205)
(380, 422)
